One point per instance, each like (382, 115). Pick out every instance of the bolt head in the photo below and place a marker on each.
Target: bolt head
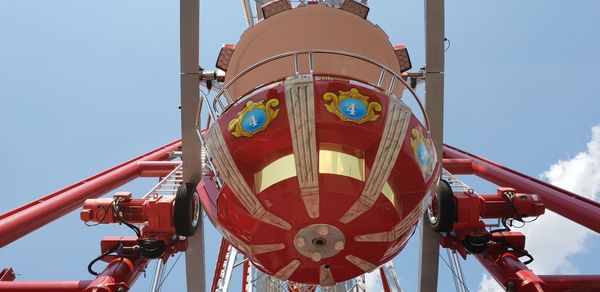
(316, 256)
(300, 242)
(323, 230)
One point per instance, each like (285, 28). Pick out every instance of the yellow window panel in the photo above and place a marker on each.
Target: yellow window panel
(333, 162)
(280, 169)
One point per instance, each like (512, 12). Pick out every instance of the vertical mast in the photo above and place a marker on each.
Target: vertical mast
(248, 12)
(434, 94)
(189, 30)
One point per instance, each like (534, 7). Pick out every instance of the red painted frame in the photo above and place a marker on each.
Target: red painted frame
(120, 273)
(504, 265)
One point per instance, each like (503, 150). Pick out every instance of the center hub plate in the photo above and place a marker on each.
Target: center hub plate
(319, 241)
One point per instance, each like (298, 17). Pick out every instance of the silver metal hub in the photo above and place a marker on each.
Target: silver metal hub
(195, 209)
(319, 241)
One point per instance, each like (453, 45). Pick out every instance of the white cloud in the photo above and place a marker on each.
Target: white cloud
(488, 284)
(373, 281)
(580, 175)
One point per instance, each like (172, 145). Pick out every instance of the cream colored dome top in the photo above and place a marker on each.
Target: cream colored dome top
(311, 27)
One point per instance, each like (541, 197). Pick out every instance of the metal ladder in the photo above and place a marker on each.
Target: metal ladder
(455, 264)
(169, 184)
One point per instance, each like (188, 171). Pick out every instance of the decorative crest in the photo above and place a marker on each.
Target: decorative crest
(352, 106)
(255, 117)
(424, 154)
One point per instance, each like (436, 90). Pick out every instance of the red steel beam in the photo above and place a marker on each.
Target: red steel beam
(18, 222)
(119, 275)
(458, 166)
(576, 208)
(509, 271)
(7, 275)
(384, 280)
(55, 286)
(246, 277)
(580, 283)
(220, 263)
(156, 168)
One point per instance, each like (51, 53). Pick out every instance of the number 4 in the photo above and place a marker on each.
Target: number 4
(253, 121)
(351, 109)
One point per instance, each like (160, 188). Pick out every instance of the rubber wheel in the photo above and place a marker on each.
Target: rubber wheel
(187, 210)
(152, 249)
(476, 244)
(442, 209)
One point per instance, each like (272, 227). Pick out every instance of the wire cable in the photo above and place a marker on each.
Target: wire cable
(169, 272)
(101, 220)
(448, 265)
(453, 273)
(115, 207)
(516, 251)
(115, 248)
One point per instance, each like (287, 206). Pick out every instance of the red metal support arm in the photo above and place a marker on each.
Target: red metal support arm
(584, 211)
(246, 277)
(43, 286)
(384, 280)
(7, 275)
(458, 166)
(509, 271)
(156, 168)
(220, 263)
(20, 221)
(118, 276)
(580, 283)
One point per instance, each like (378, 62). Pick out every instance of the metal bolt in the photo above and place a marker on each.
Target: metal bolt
(300, 242)
(316, 256)
(323, 230)
(339, 245)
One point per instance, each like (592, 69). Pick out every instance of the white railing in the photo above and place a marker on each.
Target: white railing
(223, 100)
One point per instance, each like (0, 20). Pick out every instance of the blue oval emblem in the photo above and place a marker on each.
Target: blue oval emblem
(352, 108)
(254, 120)
(423, 154)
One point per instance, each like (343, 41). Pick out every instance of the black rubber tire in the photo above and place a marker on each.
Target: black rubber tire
(187, 203)
(476, 243)
(446, 208)
(152, 249)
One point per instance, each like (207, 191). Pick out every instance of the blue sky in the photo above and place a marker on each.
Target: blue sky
(85, 85)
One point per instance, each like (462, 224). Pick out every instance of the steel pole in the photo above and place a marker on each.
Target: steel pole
(21, 221)
(158, 275)
(189, 46)
(434, 104)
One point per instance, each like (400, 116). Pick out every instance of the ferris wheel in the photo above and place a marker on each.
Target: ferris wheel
(317, 161)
